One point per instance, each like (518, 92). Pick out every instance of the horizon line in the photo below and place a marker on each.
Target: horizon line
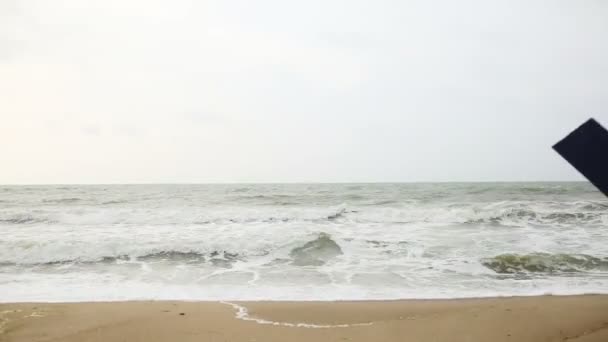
(299, 183)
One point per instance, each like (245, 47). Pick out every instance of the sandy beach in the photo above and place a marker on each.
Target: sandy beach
(531, 319)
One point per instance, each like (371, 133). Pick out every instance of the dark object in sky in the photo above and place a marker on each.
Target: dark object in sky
(587, 150)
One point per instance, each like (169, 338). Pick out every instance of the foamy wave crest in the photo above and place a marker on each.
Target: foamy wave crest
(316, 251)
(216, 258)
(113, 214)
(499, 213)
(508, 213)
(61, 254)
(545, 263)
(66, 200)
(24, 218)
(519, 216)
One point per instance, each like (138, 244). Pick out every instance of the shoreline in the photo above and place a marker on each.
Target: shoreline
(440, 299)
(579, 318)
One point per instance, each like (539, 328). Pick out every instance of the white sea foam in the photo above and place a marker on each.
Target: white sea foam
(300, 242)
(243, 314)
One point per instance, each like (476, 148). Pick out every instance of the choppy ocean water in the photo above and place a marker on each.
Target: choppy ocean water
(301, 242)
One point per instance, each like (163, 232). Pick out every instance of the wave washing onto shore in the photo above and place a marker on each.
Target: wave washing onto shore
(301, 242)
(243, 314)
(546, 263)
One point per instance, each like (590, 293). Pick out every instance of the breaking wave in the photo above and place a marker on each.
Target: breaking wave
(316, 252)
(545, 263)
(534, 217)
(337, 214)
(24, 219)
(62, 200)
(114, 212)
(172, 256)
(111, 213)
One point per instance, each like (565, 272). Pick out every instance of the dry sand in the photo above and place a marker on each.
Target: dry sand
(533, 319)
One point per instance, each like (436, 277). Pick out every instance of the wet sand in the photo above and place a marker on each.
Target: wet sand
(529, 319)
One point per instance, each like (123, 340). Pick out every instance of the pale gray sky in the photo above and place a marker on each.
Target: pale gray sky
(132, 91)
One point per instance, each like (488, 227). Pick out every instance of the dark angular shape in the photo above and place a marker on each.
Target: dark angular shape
(587, 150)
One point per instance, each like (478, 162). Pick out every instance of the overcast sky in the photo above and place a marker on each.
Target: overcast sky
(148, 91)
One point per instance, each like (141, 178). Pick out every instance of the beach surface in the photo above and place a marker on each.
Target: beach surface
(522, 319)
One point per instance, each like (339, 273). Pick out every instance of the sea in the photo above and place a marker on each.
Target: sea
(66, 243)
